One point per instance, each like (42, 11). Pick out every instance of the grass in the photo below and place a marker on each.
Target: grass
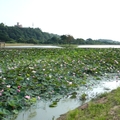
(17, 44)
(28, 44)
(68, 45)
(105, 107)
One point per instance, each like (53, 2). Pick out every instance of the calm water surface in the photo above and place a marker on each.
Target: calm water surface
(79, 46)
(32, 46)
(99, 46)
(42, 111)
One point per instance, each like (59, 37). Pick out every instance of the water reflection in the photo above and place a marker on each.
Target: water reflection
(42, 111)
(79, 46)
(99, 46)
(32, 46)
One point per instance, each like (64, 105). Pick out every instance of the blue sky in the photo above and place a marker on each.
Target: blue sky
(81, 18)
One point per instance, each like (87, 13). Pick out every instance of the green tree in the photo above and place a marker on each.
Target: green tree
(32, 40)
(67, 39)
(80, 41)
(53, 40)
(89, 41)
(24, 34)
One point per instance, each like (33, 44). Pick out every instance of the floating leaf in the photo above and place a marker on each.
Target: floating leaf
(15, 111)
(54, 104)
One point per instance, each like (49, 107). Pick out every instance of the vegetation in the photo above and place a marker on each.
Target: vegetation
(105, 107)
(27, 75)
(16, 34)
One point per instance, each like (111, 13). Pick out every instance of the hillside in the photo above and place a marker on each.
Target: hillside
(108, 41)
(19, 34)
(13, 34)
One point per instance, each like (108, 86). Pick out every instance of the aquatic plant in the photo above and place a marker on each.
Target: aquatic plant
(83, 96)
(27, 75)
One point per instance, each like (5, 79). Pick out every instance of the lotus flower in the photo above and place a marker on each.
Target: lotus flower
(27, 97)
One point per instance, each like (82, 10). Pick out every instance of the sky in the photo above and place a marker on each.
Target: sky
(95, 19)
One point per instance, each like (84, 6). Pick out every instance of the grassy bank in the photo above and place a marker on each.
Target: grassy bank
(25, 44)
(18, 44)
(105, 107)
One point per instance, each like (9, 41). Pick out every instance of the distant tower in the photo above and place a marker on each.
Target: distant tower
(17, 23)
(33, 25)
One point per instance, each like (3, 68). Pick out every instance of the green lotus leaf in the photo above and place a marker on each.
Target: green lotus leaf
(15, 111)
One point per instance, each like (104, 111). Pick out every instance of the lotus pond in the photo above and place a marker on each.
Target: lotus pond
(29, 75)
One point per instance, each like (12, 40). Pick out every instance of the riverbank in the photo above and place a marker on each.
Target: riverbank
(18, 44)
(22, 45)
(104, 107)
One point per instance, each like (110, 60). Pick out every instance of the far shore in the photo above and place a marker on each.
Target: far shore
(19, 44)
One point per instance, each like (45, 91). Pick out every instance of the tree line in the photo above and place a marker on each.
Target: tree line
(15, 34)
